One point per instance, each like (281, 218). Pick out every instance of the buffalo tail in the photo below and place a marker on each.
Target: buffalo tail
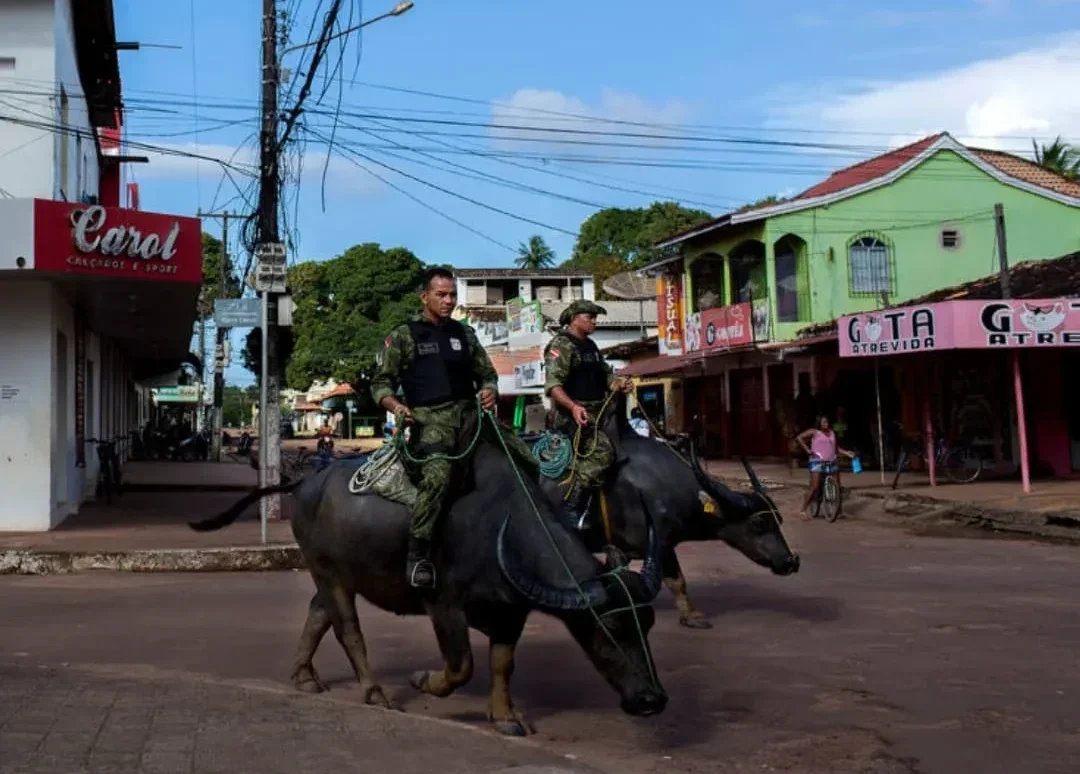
(227, 517)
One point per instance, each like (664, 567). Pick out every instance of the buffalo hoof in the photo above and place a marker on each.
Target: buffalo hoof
(307, 680)
(516, 726)
(376, 697)
(420, 681)
(695, 622)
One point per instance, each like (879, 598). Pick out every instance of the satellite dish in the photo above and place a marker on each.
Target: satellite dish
(630, 286)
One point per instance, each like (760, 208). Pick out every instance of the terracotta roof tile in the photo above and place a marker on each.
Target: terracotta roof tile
(340, 391)
(1029, 172)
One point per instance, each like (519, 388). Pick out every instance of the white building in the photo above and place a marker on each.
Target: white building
(95, 300)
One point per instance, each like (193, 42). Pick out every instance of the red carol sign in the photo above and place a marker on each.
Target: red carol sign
(114, 242)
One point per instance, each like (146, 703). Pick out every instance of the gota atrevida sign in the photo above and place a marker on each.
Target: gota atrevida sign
(962, 324)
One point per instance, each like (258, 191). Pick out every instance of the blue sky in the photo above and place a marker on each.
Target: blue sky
(863, 76)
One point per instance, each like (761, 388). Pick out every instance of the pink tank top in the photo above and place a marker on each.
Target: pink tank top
(823, 446)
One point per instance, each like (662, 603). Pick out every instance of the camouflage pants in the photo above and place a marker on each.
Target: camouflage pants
(449, 429)
(594, 460)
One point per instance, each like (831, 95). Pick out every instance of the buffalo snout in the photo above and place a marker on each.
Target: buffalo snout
(645, 703)
(789, 565)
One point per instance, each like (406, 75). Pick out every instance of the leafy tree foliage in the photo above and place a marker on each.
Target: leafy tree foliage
(212, 286)
(1058, 157)
(535, 255)
(615, 240)
(344, 308)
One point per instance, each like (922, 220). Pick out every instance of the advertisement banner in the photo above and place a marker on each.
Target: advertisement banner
(523, 317)
(669, 314)
(113, 242)
(722, 328)
(529, 374)
(962, 324)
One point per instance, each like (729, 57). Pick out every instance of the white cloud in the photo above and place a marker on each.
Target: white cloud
(993, 103)
(539, 109)
(174, 162)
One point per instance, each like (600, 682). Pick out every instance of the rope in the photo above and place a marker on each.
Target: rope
(615, 573)
(553, 454)
(633, 607)
(399, 442)
(569, 482)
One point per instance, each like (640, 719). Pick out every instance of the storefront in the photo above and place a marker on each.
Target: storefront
(94, 302)
(999, 376)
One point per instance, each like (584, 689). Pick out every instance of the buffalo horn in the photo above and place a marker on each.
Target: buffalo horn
(754, 480)
(542, 594)
(650, 568)
(714, 488)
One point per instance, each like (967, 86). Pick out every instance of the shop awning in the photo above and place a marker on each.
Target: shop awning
(683, 365)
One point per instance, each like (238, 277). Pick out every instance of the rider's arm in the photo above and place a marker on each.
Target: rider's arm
(483, 369)
(558, 360)
(396, 348)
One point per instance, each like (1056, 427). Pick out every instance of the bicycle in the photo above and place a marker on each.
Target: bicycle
(109, 477)
(828, 493)
(961, 464)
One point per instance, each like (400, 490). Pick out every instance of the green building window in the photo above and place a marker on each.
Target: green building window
(792, 286)
(707, 282)
(871, 269)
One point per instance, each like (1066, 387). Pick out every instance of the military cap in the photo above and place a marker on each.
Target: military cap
(583, 306)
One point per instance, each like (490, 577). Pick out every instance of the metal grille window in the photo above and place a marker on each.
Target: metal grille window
(871, 267)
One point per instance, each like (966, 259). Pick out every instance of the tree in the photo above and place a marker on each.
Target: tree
(615, 240)
(237, 404)
(1059, 157)
(212, 286)
(344, 307)
(535, 255)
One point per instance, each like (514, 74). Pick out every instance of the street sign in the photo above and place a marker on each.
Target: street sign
(237, 312)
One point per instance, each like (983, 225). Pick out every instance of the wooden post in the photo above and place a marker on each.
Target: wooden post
(1018, 386)
(928, 425)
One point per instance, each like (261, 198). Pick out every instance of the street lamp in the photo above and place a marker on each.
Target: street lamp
(397, 10)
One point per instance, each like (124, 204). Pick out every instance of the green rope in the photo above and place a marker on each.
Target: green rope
(399, 441)
(553, 452)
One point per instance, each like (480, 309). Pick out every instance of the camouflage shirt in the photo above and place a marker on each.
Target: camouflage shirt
(560, 358)
(398, 351)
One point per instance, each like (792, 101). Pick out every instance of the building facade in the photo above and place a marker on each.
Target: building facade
(96, 300)
(739, 291)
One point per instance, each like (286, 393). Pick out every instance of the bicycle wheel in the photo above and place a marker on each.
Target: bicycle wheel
(830, 498)
(961, 466)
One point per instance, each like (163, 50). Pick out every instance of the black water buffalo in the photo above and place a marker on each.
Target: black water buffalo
(497, 560)
(651, 481)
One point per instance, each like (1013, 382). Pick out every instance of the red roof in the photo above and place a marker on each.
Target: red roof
(868, 170)
(505, 361)
(339, 392)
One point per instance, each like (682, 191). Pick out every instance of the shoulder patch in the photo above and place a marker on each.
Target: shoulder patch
(554, 352)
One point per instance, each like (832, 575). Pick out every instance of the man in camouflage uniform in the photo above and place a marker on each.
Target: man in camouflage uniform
(578, 380)
(439, 366)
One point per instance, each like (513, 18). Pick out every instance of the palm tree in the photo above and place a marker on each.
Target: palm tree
(1058, 157)
(535, 255)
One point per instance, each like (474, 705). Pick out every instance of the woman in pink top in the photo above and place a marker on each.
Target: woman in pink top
(822, 450)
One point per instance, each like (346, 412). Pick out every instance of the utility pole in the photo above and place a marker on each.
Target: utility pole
(270, 270)
(1018, 382)
(216, 423)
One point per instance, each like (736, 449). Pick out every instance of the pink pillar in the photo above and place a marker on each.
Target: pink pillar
(928, 420)
(1021, 422)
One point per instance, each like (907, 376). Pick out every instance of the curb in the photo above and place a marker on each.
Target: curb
(231, 559)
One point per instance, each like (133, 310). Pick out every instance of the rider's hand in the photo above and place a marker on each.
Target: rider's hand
(488, 399)
(581, 416)
(402, 414)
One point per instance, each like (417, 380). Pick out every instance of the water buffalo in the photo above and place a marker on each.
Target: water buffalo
(497, 561)
(650, 481)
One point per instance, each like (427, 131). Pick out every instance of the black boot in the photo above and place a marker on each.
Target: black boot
(420, 570)
(578, 504)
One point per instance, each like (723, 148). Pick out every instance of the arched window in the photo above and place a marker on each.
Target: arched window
(870, 266)
(707, 280)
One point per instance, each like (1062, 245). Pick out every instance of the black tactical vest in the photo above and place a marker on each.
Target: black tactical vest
(587, 382)
(441, 369)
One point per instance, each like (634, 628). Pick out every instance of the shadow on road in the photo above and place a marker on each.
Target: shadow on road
(732, 598)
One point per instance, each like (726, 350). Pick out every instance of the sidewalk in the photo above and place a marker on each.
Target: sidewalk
(144, 720)
(1052, 509)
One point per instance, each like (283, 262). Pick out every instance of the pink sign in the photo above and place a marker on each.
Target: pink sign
(728, 326)
(962, 324)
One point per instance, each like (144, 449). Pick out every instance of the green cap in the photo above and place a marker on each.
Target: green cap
(580, 307)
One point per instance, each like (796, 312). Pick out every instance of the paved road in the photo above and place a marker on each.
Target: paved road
(889, 653)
